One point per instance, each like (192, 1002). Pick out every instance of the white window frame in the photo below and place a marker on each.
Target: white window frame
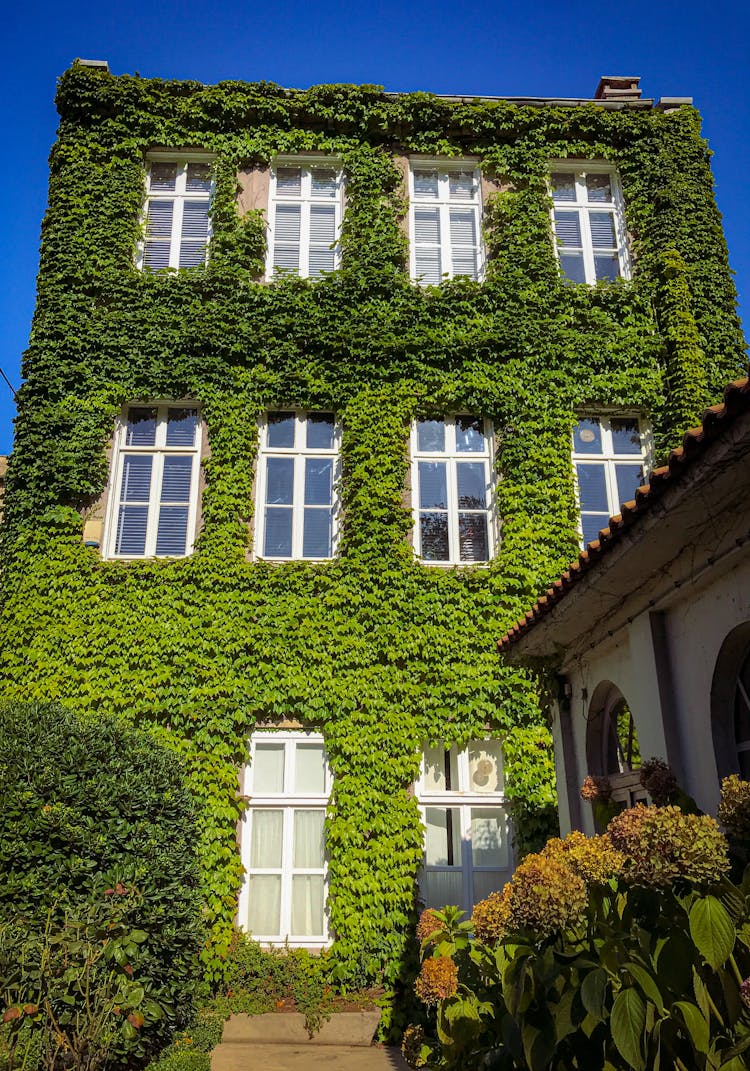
(610, 459)
(287, 802)
(305, 200)
(158, 451)
(581, 205)
(464, 801)
(300, 454)
(444, 166)
(179, 195)
(451, 456)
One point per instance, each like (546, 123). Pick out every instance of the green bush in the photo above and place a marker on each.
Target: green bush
(97, 844)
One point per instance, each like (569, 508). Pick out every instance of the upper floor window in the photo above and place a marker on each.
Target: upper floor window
(288, 784)
(589, 223)
(177, 220)
(444, 221)
(461, 796)
(154, 499)
(304, 218)
(610, 455)
(452, 468)
(298, 471)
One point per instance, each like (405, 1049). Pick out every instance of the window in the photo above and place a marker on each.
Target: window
(304, 218)
(467, 853)
(444, 221)
(742, 718)
(283, 842)
(452, 487)
(177, 221)
(612, 748)
(153, 506)
(298, 471)
(609, 455)
(589, 223)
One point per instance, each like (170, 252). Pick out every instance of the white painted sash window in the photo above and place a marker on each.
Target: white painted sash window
(177, 221)
(452, 486)
(304, 218)
(288, 783)
(610, 458)
(154, 494)
(589, 223)
(298, 474)
(445, 209)
(467, 833)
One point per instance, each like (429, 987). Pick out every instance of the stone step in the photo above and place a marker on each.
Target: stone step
(288, 1028)
(256, 1056)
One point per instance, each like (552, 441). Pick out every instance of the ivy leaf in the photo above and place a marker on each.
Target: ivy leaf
(627, 1021)
(712, 930)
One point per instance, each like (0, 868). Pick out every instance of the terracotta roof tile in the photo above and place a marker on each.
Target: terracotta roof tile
(716, 420)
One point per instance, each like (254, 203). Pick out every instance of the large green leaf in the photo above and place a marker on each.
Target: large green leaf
(697, 1026)
(712, 930)
(643, 979)
(593, 992)
(627, 1020)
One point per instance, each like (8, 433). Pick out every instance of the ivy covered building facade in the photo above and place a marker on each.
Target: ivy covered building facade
(308, 376)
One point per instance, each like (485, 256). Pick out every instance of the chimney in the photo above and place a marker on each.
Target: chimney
(95, 64)
(618, 87)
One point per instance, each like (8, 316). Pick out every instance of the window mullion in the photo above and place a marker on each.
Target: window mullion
(445, 238)
(452, 486)
(285, 912)
(176, 242)
(304, 234)
(152, 522)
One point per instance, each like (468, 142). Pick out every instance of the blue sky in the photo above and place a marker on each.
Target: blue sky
(519, 49)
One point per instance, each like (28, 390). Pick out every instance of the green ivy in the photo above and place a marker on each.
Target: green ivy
(373, 649)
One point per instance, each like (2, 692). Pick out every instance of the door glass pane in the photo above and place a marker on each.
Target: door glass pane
(264, 912)
(278, 535)
(310, 770)
(267, 839)
(433, 532)
(486, 882)
(433, 487)
(587, 437)
(307, 905)
(629, 479)
(592, 488)
(318, 481)
(488, 847)
(443, 836)
(320, 431)
(279, 480)
(317, 533)
(268, 769)
(280, 429)
(473, 545)
(431, 436)
(440, 770)
(485, 766)
(309, 846)
(472, 485)
(469, 434)
(441, 887)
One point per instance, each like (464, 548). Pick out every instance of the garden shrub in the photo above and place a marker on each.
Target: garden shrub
(100, 883)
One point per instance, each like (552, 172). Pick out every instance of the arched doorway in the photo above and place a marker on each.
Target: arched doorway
(730, 704)
(612, 748)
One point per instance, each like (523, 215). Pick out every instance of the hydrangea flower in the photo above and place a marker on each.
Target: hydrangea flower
(437, 980)
(662, 844)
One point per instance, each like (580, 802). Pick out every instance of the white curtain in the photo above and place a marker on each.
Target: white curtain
(264, 913)
(267, 839)
(268, 769)
(488, 841)
(437, 837)
(310, 770)
(309, 848)
(307, 905)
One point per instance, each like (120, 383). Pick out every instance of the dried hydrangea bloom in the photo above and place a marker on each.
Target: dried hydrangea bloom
(596, 789)
(662, 844)
(411, 1046)
(593, 858)
(734, 809)
(546, 896)
(429, 923)
(437, 980)
(491, 916)
(659, 781)
(745, 992)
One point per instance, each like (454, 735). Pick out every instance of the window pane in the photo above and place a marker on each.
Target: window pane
(469, 434)
(433, 487)
(626, 437)
(465, 262)
(563, 186)
(572, 267)
(428, 266)
(440, 770)
(592, 488)
(425, 184)
(268, 769)
(159, 220)
(310, 770)
(320, 429)
(181, 426)
(192, 254)
(430, 436)
(307, 905)
(136, 477)
(472, 485)
(602, 230)
(289, 181)
(741, 713)
(485, 766)
(280, 430)
(131, 530)
(488, 837)
(162, 176)
(463, 227)
(322, 182)
(278, 540)
(433, 528)
(175, 484)
(267, 838)
(599, 188)
(322, 224)
(462, 185)
(427, 226)
(317, 533)
(441, 887)
(472, 537)
(607, 267)
(141, 427)
(171, 534)
(309, 847)
(587, 437)
(198, 178)
(318, 481)
(264, 914)
(592, 524)
(156, 255)
(279, 480)
(443, 836)
(629, 479)
(568, 229)
(320, 260)
(195, 220)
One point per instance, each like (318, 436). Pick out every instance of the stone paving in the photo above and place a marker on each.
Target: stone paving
(259, 1057)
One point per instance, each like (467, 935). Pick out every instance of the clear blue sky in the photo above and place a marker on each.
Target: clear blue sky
(535, 49)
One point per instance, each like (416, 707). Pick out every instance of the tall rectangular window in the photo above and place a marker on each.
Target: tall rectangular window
(283, 842)
(452, 487)
(304, 218)
(298, 472)
(610, 456)
(589, 223)
(154, 499)
(177, 219)
(445, 212)
(467, 841)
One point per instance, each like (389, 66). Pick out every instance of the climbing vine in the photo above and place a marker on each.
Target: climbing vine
(376, 651)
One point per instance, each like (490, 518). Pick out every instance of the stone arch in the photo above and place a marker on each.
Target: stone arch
(730, 704)
(612, 748)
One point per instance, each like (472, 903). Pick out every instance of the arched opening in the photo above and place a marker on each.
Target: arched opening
(730, 704)
(612, 748)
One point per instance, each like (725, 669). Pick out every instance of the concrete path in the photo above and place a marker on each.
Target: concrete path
(259, 1057)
